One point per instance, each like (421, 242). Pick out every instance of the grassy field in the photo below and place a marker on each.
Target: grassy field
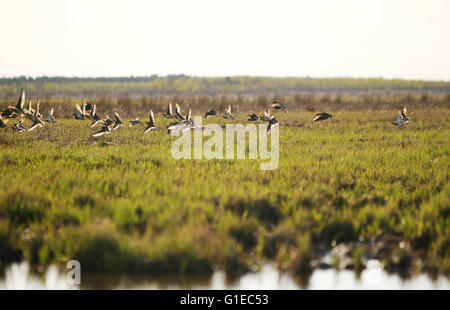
(121, 203)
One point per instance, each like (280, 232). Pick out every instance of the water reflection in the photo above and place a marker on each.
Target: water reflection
(18, 276)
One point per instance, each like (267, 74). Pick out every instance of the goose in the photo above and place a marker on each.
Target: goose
(135, 122)
(18, 109)
(107, 121)
(227, 114)
(117, 121)
(9, 112)
(322, 116)
(253, 117)
(21, 103)
(188, 118)
(272, 122)
(19, 126)
(80, 112)
(266, 116)
(88, 106)
(33, 114)
(177, 126)
(399, 119)
(37, 123)
(277, 105)
(211, 113)
(37, 113)
(104, 130)
(30, 108)
(93, 116)
(405, 118)
(50, 118)
(150, 123)
(169, 113)
(93, 113)
(30, 113)
(178, 114)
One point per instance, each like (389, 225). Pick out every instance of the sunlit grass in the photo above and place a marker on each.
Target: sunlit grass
(121, 203)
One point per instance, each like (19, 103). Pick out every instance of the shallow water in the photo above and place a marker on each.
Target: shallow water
(18, 276)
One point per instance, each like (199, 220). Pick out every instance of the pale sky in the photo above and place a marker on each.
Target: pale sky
(407, 39)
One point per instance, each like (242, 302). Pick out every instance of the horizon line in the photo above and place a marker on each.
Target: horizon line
(220, 76)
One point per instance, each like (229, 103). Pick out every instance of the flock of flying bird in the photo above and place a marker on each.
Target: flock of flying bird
(88, 111)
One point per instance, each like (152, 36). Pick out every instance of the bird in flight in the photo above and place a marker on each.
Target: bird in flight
(19, 126)
(50, 118)
(322, 116)
(178, 114)
(117, 121)
(272, 122)
(211, 113)
(80, 112)
(150, 123)
(401, 119)
(227, 114)
(253, 117)
(169, 113)
(37, 123)
(405, 118)
(277, 105)
(137, 121)
(18, 109)
(104, 130)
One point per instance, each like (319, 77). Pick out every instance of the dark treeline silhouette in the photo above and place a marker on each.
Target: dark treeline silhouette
(183, 85)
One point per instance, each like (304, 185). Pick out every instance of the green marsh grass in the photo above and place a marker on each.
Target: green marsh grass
(122, 204)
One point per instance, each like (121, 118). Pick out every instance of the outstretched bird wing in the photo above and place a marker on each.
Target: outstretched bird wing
(169, 109)
(178, 112)
(117, 117)
(21, 102)
(152, 118)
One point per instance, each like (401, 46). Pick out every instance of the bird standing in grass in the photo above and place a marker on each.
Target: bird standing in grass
(322, 116)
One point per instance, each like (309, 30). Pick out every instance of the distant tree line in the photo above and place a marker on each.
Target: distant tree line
(183, 85)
